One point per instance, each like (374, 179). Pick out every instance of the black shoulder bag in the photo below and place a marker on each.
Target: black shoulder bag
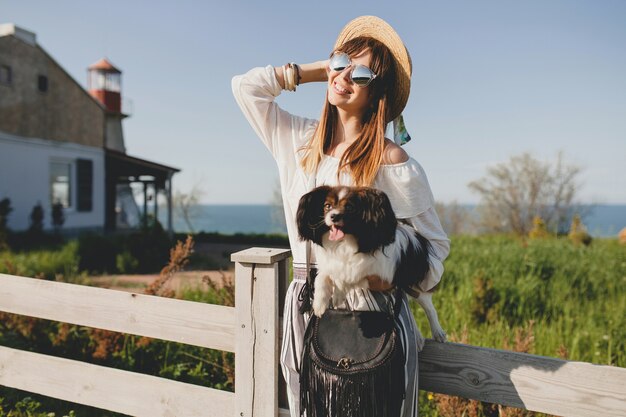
(352, 363)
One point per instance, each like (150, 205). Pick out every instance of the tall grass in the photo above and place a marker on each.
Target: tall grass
(575, 295)
(60, 265)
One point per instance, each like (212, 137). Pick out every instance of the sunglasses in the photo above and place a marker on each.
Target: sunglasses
(360, 74)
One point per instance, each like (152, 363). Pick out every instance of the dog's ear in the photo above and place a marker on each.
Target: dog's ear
(378, 218)
(310, 215)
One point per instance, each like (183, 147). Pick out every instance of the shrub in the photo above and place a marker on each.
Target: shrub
(150, 247)
(36, 219)
(5, 210)
(58, 217)
(97, 253)
(143, 251)
(578, 232)
(26, 407)
(61, 264)
(126, 263)
(539, 230)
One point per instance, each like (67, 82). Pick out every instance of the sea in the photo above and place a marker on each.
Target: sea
(601, 220)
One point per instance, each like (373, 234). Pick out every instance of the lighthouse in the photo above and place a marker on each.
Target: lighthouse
(104, 83)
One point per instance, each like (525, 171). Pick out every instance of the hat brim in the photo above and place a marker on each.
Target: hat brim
(377, 28)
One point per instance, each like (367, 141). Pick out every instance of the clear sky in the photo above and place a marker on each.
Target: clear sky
(491, 79)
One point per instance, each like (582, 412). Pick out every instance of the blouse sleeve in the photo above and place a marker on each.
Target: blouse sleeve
(408, 190)
(428, 225)
(281, 132)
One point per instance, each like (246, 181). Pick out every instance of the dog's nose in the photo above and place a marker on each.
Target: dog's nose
(335, 217)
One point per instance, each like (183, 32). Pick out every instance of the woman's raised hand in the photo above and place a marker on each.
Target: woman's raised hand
(312, 72)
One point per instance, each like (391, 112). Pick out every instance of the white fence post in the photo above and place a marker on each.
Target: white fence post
(258, 294)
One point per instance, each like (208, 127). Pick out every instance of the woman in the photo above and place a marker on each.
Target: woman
(368, 80)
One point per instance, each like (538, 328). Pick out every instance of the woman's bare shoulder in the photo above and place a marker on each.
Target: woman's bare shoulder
(394, 154)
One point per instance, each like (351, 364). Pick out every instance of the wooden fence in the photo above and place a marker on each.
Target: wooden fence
(252, 332)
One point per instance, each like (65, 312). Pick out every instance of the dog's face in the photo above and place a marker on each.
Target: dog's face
(362, 212)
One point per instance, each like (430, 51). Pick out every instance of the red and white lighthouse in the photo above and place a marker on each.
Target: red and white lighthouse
(104, 83)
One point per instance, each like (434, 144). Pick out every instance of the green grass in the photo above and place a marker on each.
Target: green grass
(493, 286)
(575, 295)
(61, 264)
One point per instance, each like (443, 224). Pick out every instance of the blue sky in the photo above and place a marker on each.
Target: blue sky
(491, 79)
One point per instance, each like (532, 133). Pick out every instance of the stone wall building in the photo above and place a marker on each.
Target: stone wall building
(61, 143)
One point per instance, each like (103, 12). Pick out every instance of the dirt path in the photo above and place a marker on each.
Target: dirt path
(218, 253)
(180, 281)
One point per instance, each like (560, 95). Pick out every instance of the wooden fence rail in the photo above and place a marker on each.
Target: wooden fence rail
(252, 331)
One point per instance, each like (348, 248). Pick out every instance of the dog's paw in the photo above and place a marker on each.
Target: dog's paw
(420, 341)
(439, 334)
(318, 307)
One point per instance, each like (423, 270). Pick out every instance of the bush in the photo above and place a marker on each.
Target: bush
(126, 263)
(150, 247)
(578, 232)
(240, 238)
(97, 253)
(36, 219)
(5, 210)
(143, 251)
(539, 230)
(58, 217)
(61, 264)
(26, 407)
(29, 241)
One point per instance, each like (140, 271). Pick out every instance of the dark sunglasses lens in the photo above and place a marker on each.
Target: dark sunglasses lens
(339, 62)
(361, 75)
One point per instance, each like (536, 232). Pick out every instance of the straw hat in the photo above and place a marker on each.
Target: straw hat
(377, 28)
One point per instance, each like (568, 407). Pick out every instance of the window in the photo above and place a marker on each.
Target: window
(61, 183)
(43, 83)
(6, 77)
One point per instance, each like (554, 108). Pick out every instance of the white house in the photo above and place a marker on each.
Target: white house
(62, 143)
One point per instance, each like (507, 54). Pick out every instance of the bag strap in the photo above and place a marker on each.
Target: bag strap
(306, 292)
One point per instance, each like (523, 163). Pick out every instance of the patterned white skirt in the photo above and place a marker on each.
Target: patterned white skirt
(294, 325)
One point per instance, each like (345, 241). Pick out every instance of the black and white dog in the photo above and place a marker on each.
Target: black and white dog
(356, 235)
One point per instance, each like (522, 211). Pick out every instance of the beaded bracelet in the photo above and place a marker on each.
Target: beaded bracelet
(298, 78)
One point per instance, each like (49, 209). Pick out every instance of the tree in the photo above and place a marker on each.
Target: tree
(514, 192)
(187, 203)
(455, 219)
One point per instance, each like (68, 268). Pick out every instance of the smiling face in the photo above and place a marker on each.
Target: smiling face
(346, 95)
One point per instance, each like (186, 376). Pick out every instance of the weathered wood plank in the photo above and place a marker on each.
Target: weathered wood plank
(193, 323)
(536, 383)
(283, 285)
(111, 389)
(264, 256)
(244, 340)
(266, 343)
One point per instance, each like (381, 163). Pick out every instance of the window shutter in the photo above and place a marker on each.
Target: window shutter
(84, 171)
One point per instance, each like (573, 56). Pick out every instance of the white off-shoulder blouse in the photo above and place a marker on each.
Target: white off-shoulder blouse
(285, 134)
